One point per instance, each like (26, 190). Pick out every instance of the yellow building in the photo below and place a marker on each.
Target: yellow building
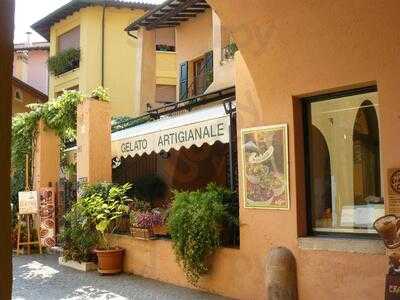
(107, 56)
(204, 51)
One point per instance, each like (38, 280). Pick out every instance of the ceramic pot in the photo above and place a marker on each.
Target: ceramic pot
(110, 261)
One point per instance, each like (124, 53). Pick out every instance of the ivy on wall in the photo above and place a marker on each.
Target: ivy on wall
(58, 115)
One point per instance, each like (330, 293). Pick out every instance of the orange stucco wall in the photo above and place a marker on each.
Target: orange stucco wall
(287, 51)
(301, 48)
(194, 38)
(27, 97)
(197, 29)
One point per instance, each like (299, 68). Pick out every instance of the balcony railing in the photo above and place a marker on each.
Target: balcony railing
(165, 48)
(64, 61)
(200, 83)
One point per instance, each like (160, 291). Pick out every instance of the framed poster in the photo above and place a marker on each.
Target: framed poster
(265, 171)
(28, 202)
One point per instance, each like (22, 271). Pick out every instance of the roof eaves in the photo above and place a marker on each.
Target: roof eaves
(41, 96)
(169, 14)
(43, 26)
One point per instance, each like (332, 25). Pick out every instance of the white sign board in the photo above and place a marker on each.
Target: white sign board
(28, 202)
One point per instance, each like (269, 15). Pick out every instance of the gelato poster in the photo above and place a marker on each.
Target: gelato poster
(265, 167)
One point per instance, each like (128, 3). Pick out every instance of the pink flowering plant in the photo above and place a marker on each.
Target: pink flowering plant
(146, 219)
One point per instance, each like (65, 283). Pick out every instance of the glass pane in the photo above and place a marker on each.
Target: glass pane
(344, 164)
(70, 39)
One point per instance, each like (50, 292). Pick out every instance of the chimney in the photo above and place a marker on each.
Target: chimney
(28, 41)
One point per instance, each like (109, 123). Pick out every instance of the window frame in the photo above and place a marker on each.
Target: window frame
(306, 118)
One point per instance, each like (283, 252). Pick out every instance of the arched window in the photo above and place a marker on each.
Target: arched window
(321, 174)
(342, 161)
(366, 173)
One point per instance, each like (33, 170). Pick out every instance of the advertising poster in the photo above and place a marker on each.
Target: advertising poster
(265, 167)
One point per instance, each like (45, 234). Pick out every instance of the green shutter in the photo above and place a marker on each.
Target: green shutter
(183, 81)
(209, 68)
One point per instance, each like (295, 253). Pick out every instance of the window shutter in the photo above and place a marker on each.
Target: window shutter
(209, 68)
(183, 81)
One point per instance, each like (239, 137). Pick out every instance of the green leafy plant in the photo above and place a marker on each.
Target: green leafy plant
(101, 188)
(195, 223)
(100, 93)
(105, 208)
(64, 61)
(58, 115)
(229, 50)
(79, 235)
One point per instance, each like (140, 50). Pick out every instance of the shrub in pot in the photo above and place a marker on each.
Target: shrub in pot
(79, 236)
(106, 204)
(143, 222)
(195, 224)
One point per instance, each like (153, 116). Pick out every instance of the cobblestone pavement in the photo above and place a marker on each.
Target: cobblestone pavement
(39, 277)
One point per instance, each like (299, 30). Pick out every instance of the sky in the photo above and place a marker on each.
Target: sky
(28, 12)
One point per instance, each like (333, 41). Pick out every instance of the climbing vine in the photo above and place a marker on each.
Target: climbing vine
(58, 115)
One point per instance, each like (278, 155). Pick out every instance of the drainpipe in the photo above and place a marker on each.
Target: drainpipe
(102, 43)
(130, 34)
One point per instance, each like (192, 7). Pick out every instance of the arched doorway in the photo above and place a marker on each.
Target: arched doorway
(366, 169)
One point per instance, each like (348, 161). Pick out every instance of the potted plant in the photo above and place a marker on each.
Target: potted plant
(152, 189)
(78, 239)
(195, 223)
(101, 94)
(143, 222)
(106, 204)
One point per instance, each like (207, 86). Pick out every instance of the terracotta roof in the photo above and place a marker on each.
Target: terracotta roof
(170, 14)
(23, 85)
(33, 46)
(43, 26)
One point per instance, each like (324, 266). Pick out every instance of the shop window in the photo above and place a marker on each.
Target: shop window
(70, 39)
(343, 162)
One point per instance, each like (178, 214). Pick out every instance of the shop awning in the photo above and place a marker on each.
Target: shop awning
(203, 126)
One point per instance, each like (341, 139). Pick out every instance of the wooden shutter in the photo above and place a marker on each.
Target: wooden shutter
(209, 68)
(183, 81)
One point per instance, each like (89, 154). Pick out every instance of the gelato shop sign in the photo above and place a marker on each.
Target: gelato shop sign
(208, 131)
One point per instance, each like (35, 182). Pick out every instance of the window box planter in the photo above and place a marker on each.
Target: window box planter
(160, 230)
(80, 266)
(64, 61)
(142, 233)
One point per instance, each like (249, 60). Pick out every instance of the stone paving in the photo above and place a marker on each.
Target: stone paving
(39, 277)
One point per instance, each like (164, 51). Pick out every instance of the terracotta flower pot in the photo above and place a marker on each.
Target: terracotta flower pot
(110, 261)
(142, 233)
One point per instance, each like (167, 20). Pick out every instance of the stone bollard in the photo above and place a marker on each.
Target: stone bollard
(281, 272)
